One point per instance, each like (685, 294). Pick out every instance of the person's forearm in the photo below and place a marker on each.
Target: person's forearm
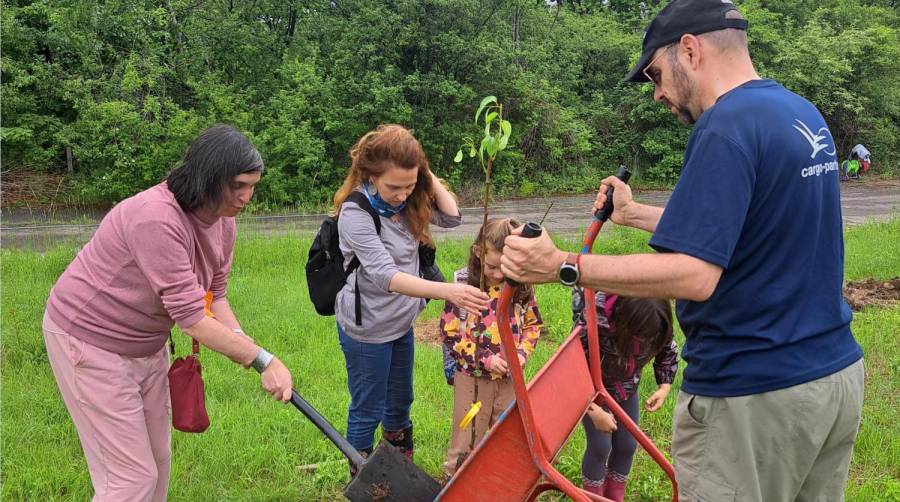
(443, 199)
(409, 285)
(222, 310)
(643, 216)
(218, 337)
(664, 275)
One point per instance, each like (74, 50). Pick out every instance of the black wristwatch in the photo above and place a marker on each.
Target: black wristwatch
(568, 271)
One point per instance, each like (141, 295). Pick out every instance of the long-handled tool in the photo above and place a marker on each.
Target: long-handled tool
(514, 461)
(386, 475)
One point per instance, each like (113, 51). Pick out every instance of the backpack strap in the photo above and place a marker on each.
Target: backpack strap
(362, 201)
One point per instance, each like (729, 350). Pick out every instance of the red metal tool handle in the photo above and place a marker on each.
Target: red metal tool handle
(590, 317)
(539, 454)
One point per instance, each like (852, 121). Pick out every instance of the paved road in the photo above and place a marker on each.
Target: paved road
(861, 202)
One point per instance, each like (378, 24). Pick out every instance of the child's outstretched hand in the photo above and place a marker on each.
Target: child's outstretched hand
(603, 420)
(656, 400)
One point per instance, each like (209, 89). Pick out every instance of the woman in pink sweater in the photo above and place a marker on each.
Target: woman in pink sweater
(148, 267)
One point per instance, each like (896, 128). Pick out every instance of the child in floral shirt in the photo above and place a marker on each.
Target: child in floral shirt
(472, 342)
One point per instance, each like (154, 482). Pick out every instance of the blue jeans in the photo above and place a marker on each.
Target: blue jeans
(380, 378)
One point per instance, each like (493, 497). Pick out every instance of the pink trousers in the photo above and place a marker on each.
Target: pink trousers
(120, 407)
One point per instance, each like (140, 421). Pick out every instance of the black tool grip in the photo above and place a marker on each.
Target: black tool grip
(607, 210)
(531, 230)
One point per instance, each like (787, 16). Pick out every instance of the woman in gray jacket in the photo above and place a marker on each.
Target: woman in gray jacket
(390, 168)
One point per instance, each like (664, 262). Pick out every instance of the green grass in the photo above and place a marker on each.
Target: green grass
(254, 447)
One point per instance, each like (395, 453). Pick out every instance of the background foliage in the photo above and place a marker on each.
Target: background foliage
(125, 84)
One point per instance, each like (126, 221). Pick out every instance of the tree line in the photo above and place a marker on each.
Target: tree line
(111, 92)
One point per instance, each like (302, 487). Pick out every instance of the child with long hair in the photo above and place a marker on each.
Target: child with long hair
(472, 341)
(631, 332)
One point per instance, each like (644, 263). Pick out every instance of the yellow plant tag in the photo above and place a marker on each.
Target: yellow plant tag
(464, 423)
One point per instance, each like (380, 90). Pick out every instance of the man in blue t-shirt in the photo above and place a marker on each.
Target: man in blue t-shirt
(751, 245)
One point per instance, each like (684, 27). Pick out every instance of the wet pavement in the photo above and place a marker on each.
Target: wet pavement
(569, 215)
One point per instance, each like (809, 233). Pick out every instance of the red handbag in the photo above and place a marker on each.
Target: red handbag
(187, 394)
(186, 385)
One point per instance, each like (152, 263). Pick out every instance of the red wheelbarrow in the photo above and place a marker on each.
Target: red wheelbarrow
(514, 460)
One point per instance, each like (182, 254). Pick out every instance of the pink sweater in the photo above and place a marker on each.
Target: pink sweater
(146, 268)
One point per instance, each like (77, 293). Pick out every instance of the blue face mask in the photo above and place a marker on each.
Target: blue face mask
(377, 203)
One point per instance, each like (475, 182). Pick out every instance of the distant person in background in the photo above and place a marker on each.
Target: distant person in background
(860, 161)
(149, 266)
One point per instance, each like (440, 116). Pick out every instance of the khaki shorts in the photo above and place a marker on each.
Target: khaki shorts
(791, 444)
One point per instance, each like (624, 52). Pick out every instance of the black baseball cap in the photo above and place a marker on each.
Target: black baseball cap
(680, 17)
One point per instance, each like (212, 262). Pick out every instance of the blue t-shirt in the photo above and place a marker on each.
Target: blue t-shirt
(759, 196)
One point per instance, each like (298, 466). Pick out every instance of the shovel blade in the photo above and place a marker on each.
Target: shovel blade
(387, 475)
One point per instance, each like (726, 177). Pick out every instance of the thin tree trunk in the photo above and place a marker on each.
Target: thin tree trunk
(483, 252)
(292, 22)
(517, 17)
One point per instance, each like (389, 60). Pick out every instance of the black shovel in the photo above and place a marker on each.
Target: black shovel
(386, 475)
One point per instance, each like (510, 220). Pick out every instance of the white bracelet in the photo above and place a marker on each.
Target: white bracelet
(238, 330)
(262, 360)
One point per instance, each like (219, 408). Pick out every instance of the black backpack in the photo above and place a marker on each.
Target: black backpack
(325, 273)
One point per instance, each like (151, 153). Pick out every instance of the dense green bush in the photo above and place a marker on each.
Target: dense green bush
(126, 83)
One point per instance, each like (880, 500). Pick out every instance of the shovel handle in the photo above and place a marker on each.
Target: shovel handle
(325, 426)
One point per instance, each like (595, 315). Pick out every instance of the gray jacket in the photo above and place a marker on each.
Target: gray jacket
(386, 316)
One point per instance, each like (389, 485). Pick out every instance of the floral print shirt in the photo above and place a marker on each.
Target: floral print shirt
(460, 330)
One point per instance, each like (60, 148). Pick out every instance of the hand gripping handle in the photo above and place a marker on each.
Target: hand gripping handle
(531, 230)
(607, 210)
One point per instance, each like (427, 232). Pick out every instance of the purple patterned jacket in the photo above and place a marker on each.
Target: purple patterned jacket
(622, 374)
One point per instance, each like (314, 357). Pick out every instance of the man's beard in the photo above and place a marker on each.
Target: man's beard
(685, 93)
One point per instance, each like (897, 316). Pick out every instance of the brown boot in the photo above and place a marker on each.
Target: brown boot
(402, 439)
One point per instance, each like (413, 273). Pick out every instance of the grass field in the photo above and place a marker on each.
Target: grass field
(254, 447)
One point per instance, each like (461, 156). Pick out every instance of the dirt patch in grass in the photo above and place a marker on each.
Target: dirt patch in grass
(872, 292)
(427, 331)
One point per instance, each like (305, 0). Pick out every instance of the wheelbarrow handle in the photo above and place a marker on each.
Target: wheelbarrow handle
(325, 426)
(607, 210)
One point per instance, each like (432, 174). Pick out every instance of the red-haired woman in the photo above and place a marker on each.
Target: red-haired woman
(390, 169)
